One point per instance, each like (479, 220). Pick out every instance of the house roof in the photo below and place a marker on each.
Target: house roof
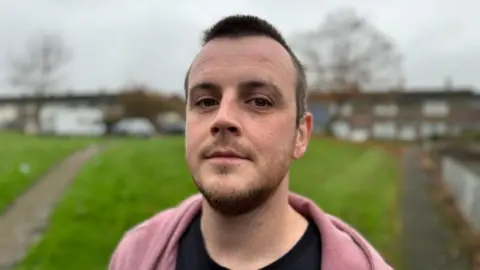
(404, 96)
(60, 98)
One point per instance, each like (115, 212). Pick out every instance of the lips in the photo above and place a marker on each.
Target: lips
(225, 154)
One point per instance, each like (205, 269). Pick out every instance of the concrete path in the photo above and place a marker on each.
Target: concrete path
(428, 242)
(23, 222)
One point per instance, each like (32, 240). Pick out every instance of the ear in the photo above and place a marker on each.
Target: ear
(304, 132)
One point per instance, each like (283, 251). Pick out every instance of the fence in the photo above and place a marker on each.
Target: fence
(465, 186)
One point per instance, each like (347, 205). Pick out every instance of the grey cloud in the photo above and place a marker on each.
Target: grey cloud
(117, 41)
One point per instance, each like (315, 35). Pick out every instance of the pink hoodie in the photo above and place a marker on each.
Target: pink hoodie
(153, 244)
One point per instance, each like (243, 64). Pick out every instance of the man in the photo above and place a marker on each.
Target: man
(246, 121)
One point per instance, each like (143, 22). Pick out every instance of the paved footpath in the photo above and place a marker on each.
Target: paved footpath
(428, 242)
(24, 220)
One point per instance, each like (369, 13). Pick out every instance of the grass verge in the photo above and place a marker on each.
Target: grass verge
(25, 158)
(135, 179)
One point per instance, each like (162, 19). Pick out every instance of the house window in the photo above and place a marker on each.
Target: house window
(407, 132)
(347, 109)
(385, 110)
(8, 113)
(440, 128)
(435, 108)
(384, 130)
(434, 128)
(341, 129)
(427, 129)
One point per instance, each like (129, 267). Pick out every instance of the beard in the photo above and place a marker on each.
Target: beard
(237, 202)
(230, 192)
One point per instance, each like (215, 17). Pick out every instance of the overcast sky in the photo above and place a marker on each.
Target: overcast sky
(115, 42)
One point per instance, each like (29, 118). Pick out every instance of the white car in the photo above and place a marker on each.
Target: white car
(140, 127)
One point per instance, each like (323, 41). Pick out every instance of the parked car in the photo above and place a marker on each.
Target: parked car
(174, 129)
(138, 127)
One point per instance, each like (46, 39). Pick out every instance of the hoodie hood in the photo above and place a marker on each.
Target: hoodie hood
(153, 244)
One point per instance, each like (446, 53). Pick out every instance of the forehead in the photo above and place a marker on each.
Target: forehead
(232, 59)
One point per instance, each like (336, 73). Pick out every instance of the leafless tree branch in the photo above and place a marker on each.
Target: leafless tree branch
(37, 68)
(348, 52)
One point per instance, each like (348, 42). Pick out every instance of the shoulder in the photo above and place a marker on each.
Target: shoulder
(366, 252)
(138, 244)
(343, 247)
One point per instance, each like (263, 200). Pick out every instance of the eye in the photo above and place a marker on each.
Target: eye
(260, 102)
(207, 102)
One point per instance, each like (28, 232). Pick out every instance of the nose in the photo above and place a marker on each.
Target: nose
(226, 120)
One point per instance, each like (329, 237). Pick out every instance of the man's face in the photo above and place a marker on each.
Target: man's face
(240, 130)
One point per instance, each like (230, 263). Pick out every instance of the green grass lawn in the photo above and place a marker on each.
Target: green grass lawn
(135, 179)
(23, 159)
(357, 184)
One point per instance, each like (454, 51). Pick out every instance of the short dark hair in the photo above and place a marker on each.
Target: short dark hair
(238, 26)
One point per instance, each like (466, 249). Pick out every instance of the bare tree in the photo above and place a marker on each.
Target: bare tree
(347, 53)
(37, 69)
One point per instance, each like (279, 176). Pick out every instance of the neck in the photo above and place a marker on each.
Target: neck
(258, 237)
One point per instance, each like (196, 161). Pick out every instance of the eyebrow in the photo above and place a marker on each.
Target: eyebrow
(204, 87)
(271, 88)
(245, 88)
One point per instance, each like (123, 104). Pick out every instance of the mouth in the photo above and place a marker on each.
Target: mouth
(226, 155)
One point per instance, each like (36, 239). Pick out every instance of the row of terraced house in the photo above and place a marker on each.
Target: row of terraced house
(408, 115)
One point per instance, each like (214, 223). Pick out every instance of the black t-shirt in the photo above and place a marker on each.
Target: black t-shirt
(305, 255)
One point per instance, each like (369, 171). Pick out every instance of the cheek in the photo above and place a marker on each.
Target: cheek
(274, 138)
(194, 128)
(194, 136)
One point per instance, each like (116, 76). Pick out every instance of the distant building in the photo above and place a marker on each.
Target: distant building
(8, 113)
(408, 115)
(68, 113)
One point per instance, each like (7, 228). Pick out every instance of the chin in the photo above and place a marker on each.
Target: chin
(233, 194)
(224, 184)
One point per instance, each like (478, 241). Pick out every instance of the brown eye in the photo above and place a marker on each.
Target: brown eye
(261, 102)
(207, 102)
